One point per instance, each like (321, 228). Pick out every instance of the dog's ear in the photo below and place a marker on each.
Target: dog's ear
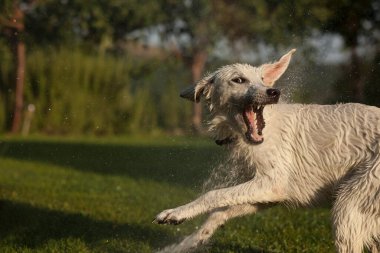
(194, 92)
(272, 72)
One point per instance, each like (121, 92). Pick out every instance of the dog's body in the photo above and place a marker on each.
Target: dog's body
(311, 153)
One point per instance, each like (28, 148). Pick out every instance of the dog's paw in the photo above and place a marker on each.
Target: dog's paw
(170, 216)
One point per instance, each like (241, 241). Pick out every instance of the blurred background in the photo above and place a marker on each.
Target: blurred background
(112, 67)
(95, 141)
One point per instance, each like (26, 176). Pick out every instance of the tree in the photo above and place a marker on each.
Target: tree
(195, 27)
(14, 28)
(293, 22)
(349, 21)
(66, 22)
(190, 29)
(81, 22)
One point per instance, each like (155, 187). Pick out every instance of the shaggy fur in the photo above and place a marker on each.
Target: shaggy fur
(310, 154)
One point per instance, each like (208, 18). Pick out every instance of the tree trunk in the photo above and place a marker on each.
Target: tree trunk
(18, 51)
(197, 66)
(19, 92)
(357, 81)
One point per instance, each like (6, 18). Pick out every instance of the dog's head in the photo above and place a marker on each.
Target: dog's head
(237, 94)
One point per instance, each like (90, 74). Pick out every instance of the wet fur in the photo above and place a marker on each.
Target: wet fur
(311, 154)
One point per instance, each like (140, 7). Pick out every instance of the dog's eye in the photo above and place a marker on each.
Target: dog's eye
(239, 80)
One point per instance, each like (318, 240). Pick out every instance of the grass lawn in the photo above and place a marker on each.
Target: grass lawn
(81, 195)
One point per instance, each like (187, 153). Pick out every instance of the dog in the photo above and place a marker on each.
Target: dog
(290, 154)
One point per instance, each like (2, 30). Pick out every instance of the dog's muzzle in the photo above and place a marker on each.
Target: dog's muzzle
(253, 114)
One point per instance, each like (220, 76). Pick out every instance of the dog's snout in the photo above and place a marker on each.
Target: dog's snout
(273, 92)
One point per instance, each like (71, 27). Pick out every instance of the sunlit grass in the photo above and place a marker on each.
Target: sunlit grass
(101, 196)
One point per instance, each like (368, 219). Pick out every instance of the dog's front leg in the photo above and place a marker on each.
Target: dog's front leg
(259, 190)
(216, 219)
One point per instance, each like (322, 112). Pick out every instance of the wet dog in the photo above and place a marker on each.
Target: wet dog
(297, 155)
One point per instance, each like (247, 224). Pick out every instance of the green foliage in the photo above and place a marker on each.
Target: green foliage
(6, 6)
(79, 87)
(77, 92)
(77, 21)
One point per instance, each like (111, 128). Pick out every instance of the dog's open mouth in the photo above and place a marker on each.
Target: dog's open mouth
(254, 120)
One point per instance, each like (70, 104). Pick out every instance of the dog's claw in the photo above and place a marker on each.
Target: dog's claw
(158, 221)
(176, 222)
(168, 217)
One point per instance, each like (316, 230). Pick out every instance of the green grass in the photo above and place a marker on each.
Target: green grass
(80, 195)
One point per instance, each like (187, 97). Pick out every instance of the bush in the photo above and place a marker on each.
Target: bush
(76, 92)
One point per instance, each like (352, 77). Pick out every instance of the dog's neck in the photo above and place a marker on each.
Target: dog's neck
(226, 141)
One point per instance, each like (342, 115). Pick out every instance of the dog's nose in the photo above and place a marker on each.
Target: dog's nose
(273, 92)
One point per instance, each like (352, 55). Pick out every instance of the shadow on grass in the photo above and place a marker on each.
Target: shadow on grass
(160, 163)
(32, 227)
(233, 248)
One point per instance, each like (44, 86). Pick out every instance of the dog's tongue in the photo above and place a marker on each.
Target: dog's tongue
(251, 134)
